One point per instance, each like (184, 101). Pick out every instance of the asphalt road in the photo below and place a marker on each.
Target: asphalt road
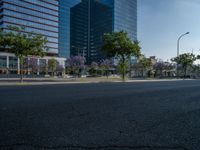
(110, 116)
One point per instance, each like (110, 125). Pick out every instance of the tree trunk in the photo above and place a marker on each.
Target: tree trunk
(107, 73)
(123, 69)
(161, 73)
(185, 72)
(143, 73)
(21, 68)
(177, 73)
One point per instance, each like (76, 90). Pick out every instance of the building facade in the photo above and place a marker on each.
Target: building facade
(124, 15)
(90, 19)
(38, 16)
(64, 26)
(71, 26)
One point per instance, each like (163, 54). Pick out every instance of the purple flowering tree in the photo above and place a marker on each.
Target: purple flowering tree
(31, 65)
(93, 68)
(75, 64)
(106, 65)
(159, 67)
(163, 68)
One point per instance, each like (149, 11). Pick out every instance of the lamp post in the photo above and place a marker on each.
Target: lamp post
(178, 42)
(178, 47)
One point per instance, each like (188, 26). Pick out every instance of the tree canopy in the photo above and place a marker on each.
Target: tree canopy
(24, 44)
(119, 45)
(144, 63)
(16, 40)
(75, 64)
(185, 60)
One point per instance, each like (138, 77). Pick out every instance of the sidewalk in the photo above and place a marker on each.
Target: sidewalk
(52, 81)
(45, 81)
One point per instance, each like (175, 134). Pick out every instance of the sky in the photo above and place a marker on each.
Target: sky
(161, 22)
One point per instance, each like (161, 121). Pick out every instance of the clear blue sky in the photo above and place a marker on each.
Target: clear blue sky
(160, 22)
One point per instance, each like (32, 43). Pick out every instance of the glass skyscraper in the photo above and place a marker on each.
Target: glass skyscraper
(75, 26)
(36, 16)
(64, 26)
(90, 19)
(124, 16)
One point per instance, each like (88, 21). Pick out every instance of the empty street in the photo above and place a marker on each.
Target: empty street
(140, 116)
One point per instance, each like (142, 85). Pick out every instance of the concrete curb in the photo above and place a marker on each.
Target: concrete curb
(85, 82)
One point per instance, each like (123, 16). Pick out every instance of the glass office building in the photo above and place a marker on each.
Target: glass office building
(64, 26)
(36, 16)
(90, 19)
(82, 21)
(124, 16)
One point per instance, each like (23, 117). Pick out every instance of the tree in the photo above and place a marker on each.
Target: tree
(75, 64)
(144, 63)
(105, 65)
(123, 68)
(161, 67)
(24, 44)
(60, 69)
(5, 39)
(117, 44)
(32, 64)
(195, 70)
(185, 60)
(170, 68)
(52, 64)
(93, 68)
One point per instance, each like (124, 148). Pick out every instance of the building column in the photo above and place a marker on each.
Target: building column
(28, 65)
(47, 67)
(18, 66)
(38, 63)
(63, 73)
(7, 65)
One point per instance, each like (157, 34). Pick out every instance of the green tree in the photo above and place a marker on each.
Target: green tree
(24, 44)
(144, 63)
(52, 65)
(93, 68)
(119, 45)
(123, 68)
(185, 60)
(6, 39)
(76, 64)
(106, 65)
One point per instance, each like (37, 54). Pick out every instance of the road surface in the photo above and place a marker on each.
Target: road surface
(110, 116)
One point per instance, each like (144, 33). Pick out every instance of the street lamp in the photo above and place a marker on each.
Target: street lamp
(178, 47)
(178, 42)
